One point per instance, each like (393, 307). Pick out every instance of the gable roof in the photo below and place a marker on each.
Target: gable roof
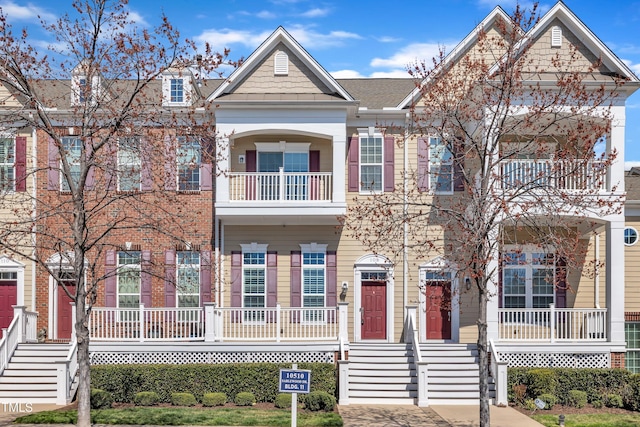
(280, 35)
(460, 49)
(561, 12)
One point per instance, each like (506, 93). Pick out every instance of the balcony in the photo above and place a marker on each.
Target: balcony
(550, 174)
(298, 187)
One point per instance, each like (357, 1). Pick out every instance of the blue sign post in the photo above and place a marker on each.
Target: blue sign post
(294, 381)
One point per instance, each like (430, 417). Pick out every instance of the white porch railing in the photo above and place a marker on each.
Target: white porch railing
(278, 324)
(211, 323)
(146, 324)
(552, 324)
(22, 329)
(281, 186)
(570, 175)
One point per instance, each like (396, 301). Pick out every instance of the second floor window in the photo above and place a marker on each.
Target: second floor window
(189, 159)
(440, 166)
(7, 164)
(129, 279)
(188, 280)
(129, 165)
(177, 90)
(371, 163)
(72, 147)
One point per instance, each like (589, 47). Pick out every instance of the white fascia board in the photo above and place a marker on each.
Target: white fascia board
(461, 47)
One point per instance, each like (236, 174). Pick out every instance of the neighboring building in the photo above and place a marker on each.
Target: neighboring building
(632, 270)
(299, 148)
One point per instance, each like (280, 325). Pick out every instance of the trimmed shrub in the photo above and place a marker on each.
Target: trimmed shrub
(613, 401)
(283, 400)
(577, 398)
(146, 398)
(245, 398)
(100, 399)
(631, 398)
(542, 381)
(320, 401)
(549, 399)
(183, 399)
(214, 399)
(597, 404)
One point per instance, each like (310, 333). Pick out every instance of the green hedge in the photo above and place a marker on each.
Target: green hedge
(124, 381)
(597, 383)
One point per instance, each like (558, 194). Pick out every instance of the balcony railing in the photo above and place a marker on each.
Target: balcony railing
(552, 324)
(210, 323)
(281, 186)
(570, 175)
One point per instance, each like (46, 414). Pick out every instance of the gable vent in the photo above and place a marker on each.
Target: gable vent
(281, 63)
(556, 37)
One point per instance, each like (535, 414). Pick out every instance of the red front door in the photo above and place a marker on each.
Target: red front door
(438, 307)
(8, 298)
(65, 311)
(373, 317)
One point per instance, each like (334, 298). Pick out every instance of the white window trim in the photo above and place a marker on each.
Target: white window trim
(178, 164)
(370, 132)
(12, 187)
(430, 162)
(374, 264)
(62, 178)
(255, 248)
(441, 265)
(139, 164)
(119, 268)
(312, 248)
(187, 89)
(283, 147)
(94, 93)
(197, 267)
(637, 235)
(528, 250)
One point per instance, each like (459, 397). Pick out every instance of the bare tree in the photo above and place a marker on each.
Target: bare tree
(507, 143)
(104, 138)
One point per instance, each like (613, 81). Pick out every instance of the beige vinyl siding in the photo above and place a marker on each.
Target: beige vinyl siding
(299, 80)
(632, 270)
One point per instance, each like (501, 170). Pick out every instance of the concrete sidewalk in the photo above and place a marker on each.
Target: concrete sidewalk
(433, 416)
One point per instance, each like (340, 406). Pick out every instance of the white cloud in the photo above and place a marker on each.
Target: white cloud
(388, 39)
(28, 12)
(316, 13)
(396, 74)
(313, 39)
(265, 14)
(631, 164)
(346, 74)
(411, 54)
(137, 19)
(634, 67)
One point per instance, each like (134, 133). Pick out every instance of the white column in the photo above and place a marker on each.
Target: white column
(222, 180)
(493, 295)
(615, 279)
(209, 334)
(343, 321)
(343, 382)
(616, 142)
(339, 169)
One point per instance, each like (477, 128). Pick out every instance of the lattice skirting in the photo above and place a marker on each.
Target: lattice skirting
(210, 357)
(557, 360)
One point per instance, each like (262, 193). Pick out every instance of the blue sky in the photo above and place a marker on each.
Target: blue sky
(367, 38)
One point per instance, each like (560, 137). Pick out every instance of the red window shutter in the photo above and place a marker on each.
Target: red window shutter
(295, 295)
(389, 171)
(170, 166)
(354, 164)
(205, 276)
(423, 164)
(146, 166)
(53, 172)
(206, 167)
(170, 278)
(21, 163)
(145, 279)
(561, 283)
(111, 280)
(88, 152)
(314, 166)
(332, 283)
(250, 166)
(458, 165)
(236, 279)
(251, 162)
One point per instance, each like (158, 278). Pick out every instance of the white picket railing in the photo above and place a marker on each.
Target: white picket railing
(570, 175)
(552, 324)
(277, 324)
(21, 329)
(281, 186)
(146, 324)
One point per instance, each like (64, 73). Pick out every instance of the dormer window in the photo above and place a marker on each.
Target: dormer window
(281, 64)
(177, 90)
(84, 89)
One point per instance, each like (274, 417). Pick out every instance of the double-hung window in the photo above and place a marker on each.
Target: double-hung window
(528, 279)
(129, 164)
(7, 164)
(440, 166)
(129, 283)
(254, 274)
(189, 160)
(72, 149)
(177, 90)
(188, 283)
(313, 283)
(371, 162)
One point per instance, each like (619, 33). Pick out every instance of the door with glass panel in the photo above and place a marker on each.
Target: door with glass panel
(294, 185)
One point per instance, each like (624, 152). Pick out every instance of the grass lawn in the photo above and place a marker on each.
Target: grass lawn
(590, 420)
(236, 416)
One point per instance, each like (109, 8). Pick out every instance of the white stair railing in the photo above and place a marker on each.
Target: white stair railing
(499, 373)
(412, 336)
(21, 329)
